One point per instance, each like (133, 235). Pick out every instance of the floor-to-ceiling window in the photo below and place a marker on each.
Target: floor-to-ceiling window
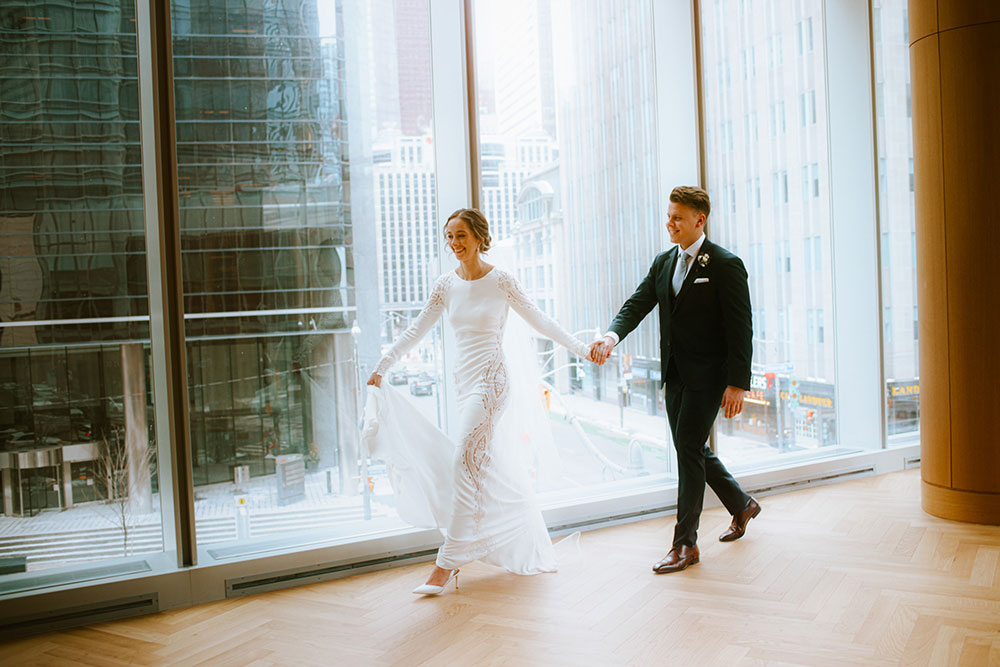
(568, 181)
(313, 164)
(767, 164)
(77, 449)
(897, 232)
(306, 186)
(307, 209)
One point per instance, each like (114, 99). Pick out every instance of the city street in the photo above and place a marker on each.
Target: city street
(595, 442)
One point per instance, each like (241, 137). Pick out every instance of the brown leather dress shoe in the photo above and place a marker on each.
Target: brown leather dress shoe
(677, 559)
(740, 521)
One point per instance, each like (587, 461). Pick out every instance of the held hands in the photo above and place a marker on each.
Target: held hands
(600, 350)
(732, 401)
(375, 379)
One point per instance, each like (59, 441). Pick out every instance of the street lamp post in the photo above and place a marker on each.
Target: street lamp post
(365, 491)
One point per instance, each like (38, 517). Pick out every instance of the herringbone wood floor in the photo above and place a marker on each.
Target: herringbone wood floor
(847, 574)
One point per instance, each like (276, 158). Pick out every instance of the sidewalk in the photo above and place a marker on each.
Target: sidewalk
(212, 501)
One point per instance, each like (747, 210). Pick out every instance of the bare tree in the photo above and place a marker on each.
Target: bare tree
(116, 486)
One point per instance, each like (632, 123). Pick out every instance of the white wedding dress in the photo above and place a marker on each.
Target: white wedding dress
(485, 504)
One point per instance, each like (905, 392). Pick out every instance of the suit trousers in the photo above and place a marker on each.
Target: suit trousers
(691, 414)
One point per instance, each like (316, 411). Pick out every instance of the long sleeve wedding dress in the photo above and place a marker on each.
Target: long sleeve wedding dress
(493, 516)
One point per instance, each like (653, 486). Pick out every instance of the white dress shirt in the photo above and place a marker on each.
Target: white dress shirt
(691, 251)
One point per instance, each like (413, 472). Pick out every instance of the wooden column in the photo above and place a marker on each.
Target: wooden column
(955, 74)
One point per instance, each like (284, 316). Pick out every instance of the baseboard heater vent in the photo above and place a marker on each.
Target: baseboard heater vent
(911, 462)
(33, 581)
(271, 581)
(70, 617)
(813, 480)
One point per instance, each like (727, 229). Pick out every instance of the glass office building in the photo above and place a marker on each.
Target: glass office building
(73, 272)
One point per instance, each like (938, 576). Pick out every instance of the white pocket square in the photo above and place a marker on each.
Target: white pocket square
(700, 280)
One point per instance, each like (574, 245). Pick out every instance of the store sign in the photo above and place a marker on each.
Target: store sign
(819, 401)
(808, 399)
(905, 390)
(758, 382)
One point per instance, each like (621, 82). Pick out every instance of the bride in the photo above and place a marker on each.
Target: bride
(492, 516)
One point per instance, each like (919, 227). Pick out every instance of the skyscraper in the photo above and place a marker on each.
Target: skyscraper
(265, 232)
(767, 165)
(72, 265)
(608, 166)
(517, 98)
(407, 226)
(413, 55)
(898, 239)
(400, 67)
(523, 81)
(506, 160)
(266, 227)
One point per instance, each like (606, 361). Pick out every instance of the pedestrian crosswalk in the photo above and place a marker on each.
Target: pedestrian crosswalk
(111, 541)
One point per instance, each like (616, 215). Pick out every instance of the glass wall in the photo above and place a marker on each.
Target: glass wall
(311, 231)
(768, 173)
(77, 451)
(890, 26)
(404, 217)
(566, 102)
(306, 178)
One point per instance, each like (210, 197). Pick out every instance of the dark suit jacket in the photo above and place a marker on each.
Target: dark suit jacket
(707, 327)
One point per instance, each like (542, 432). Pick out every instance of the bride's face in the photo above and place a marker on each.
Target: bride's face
(461, 240)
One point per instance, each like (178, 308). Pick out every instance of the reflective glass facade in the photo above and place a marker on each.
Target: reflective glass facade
(75, 395)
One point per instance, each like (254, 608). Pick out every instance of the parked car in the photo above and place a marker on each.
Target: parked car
(13, 439)
(422, 385)
(397, 377)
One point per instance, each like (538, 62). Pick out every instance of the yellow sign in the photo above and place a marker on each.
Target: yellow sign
(821, 401)
(906, 390)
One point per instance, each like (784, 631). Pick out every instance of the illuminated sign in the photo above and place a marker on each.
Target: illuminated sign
(821, 401)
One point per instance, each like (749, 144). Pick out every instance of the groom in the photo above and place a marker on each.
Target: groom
(705, 349)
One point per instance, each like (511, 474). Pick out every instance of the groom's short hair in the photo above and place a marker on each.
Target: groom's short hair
(693, 197)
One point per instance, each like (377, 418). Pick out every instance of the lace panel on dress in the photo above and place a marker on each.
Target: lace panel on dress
(536, 317)
(476, 445)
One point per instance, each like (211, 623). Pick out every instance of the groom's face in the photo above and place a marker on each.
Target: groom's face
(684, 224)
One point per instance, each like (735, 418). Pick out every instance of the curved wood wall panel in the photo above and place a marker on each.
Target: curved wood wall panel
(955, 74)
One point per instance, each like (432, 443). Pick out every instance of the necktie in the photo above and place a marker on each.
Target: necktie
(680, 270)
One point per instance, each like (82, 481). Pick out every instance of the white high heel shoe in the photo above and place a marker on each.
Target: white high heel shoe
(429, 589)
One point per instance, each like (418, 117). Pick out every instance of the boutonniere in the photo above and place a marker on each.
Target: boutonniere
(704, 259)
